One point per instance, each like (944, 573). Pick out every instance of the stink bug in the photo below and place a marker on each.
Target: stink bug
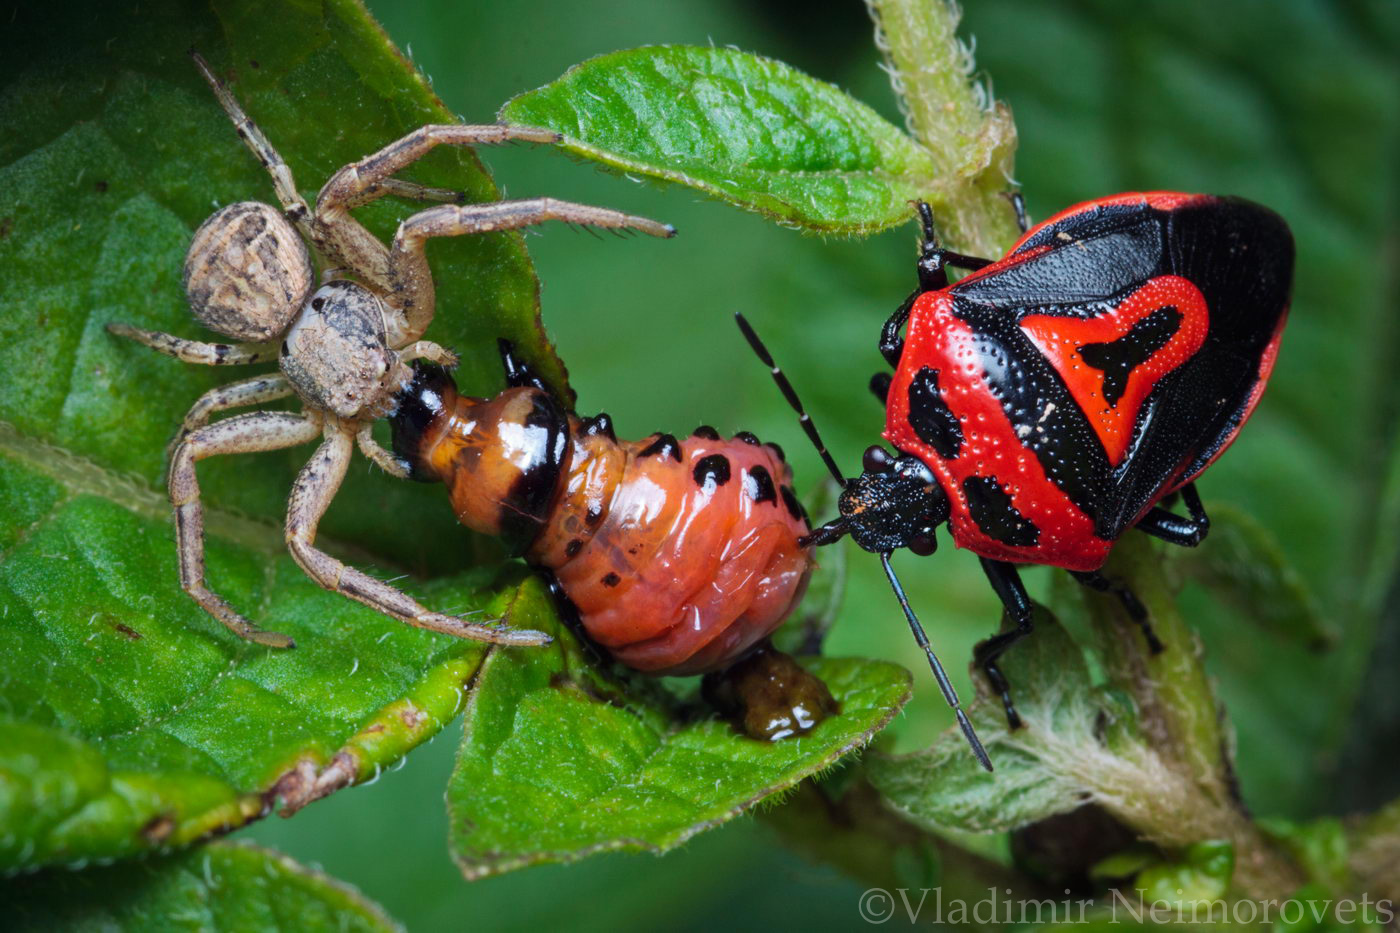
(1048, 401)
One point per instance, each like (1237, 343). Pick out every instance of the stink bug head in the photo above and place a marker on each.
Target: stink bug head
(894, 503)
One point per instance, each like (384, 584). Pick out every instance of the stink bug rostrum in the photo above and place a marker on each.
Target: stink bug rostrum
(1048, 401)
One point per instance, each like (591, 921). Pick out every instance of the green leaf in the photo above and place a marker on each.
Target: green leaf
(1246, 569)
(1071, 733)
(1201, 875)
(611, 765)
(220, 887)
(749, 130)
(1320, 847)
(130, 718)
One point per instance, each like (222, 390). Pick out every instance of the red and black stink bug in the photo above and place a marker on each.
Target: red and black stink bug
(678, 556)
(1048, 401)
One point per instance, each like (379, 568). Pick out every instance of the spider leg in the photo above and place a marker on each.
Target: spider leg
(427, 350)
(363, 181)
(195, 351)
(381, 458)
(239, 394)
(416, 192)
(241, 434)
(293, 204)
(312, 493)
(412, 280)
(339, 235)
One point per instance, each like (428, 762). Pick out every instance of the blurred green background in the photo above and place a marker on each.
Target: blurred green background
(1293, 104)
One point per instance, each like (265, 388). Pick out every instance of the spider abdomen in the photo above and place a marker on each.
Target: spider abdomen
(678, 555)
(247, 272)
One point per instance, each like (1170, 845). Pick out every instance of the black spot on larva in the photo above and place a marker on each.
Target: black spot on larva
(747, 438)
(712, 471)
(593, 516)
(1120, 357)
(573, 547)
(101, 186)
(758, 484)
(778, 452)
(994, 513)
(665, 445)
(930, 416)
(790, 500)
(611, 579)
(317, 303)
(600, 423)
(221, 351)
(705, 431)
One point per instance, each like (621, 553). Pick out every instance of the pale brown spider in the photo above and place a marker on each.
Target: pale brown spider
(343, 350)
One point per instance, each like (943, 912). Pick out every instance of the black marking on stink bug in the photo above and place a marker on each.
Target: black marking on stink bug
(573, 547)
(930, 416)
(665, 444)
(712, 471)
(748, 437)
(994, 513)
(758, 484)
(705, 431)
(1120, 357)
(611, 579)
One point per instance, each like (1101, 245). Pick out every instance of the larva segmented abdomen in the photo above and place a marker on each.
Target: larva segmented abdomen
(678, 555)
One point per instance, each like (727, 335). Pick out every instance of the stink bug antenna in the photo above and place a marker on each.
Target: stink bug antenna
(790, 394)
(939, 675)
(834, 530)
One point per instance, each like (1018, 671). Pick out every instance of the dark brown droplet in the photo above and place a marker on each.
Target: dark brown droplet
(768, 696)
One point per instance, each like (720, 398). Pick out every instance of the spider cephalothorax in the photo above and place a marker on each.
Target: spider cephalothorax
(342, 350)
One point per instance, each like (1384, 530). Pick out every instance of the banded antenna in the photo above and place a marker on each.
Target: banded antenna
(790, 394)
(836, 529)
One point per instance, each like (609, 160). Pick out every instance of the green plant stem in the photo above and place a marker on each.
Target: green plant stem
(1185, 725)
(971, 138)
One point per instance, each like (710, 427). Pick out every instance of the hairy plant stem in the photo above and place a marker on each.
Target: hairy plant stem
(970, 137)
(1187, 728)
